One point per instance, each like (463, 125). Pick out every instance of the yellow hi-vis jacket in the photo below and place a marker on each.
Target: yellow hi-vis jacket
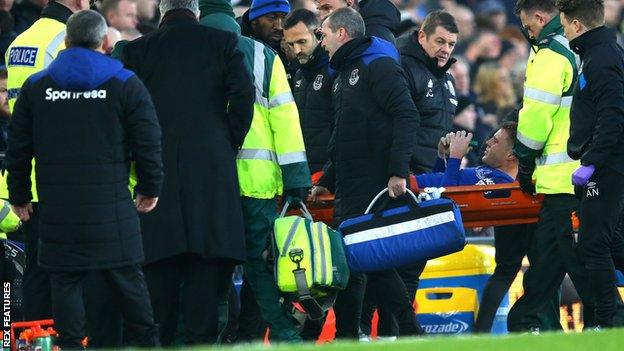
(273, 156)
(544, 120)
(31, 52)
(9, 222)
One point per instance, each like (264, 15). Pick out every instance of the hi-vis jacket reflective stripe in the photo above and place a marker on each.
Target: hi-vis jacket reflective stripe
(273, 155)
(544, 120)
(31, 52)
(9, 222)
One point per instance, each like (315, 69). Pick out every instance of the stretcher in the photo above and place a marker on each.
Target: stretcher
(480, 205)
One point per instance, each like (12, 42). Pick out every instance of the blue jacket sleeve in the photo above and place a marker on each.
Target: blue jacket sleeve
(450, 177)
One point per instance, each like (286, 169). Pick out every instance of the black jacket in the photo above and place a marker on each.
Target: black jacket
(432, 89)
(26, 13)
(312, 92)
(204, 97)
(597, 117)
(81, 119)
(375, 124)
(381, 18)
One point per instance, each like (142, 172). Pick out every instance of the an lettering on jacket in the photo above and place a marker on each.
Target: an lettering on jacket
(54, 95)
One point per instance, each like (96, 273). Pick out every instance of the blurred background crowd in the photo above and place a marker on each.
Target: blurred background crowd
(491, 51)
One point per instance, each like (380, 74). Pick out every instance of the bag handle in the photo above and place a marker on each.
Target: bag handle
(370, 206)
(303, 209)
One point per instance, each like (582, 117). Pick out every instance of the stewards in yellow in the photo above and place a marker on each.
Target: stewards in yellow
(543, 131)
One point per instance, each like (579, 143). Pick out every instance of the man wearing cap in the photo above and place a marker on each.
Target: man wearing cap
(263, 22)
(261, 177)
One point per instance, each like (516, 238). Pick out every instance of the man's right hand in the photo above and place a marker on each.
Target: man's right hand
(145, 204)
(317, 191)
(459, 144)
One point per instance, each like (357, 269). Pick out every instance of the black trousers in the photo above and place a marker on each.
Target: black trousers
(512, 243)
(128, 283)
(388, 324)
(601, 238)
(103, 313)
(193, 285)
(251, 325)
(555, 255)
(36, 297)
(388, 289)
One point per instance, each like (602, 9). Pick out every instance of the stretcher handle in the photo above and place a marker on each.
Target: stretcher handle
(481, 188)
(303, 209)
(370, 206)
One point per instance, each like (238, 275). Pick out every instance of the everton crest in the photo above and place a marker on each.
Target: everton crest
(355, 76)
(318, 82)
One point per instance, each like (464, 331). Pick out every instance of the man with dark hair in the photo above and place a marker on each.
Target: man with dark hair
(88, 221)
(500, 165)
(596, 133)
(280, 169)
(426, 58)
(196, 235)
(312, 86)
(373, 138)
(543, 128)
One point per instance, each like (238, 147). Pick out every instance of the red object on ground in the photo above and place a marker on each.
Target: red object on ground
(31, 330)
(316, 177)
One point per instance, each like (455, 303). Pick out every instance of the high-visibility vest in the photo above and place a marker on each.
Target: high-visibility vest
(9, 222)
(544, 120)
(31, 52)
(273, 156)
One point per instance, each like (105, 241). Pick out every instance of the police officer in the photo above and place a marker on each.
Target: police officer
(271, 162)
(312, 86)
(84, 118)
(596, 133)
(543, 128)
(29, 53)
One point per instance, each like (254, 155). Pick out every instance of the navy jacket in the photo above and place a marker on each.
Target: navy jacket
(597, 115)
(312, 92)
(375, 124)
(83, 120)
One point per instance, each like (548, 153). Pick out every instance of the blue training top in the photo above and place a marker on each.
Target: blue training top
(449, 174)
